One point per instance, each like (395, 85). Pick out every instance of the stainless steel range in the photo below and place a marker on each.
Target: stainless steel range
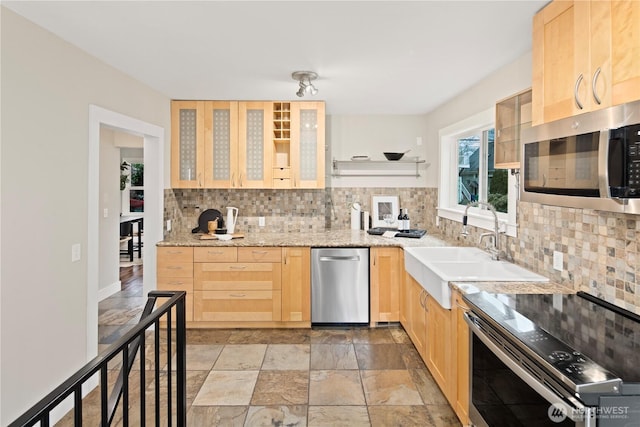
(539, 360)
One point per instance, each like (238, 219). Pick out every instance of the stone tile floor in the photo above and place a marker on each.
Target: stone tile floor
(294, 377)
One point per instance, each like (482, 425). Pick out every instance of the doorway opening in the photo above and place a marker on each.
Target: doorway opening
(153, 157)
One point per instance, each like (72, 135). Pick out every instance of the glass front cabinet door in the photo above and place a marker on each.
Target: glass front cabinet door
(221, 144)
(307, 144)
(187, 146)
(254, 151)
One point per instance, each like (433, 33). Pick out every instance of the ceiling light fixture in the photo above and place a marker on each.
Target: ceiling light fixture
(305, 86)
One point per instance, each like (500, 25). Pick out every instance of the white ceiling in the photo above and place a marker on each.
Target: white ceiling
(372, 57)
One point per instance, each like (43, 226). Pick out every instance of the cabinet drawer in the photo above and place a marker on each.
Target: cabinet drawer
(282, 183)
(237, 276)
(175, 284)
(168, 254)
(174, 269)
(237, 306)
(215, 254)
(259, 254)
(281, 173)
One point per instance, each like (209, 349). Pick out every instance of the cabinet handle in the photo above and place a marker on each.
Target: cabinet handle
(176, 283)
(375, 259)
(200, 179)
(215, 252)
(238, 267)
(174, 267)
(240, 180)
(238, 295)
(593, 86)
(260, 252)
(174, 252)
(575, 91)
(233, 179)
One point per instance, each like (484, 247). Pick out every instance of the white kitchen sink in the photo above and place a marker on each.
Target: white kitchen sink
(449, 253)
(435, 267)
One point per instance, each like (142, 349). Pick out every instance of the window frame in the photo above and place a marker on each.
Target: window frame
(126, 196)
(448, 206)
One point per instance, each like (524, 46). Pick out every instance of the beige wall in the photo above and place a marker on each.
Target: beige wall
(506, 81)
(47, 86)
(372, 135)
(108, 260)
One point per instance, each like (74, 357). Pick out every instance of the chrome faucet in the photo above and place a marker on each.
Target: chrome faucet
(495, 249)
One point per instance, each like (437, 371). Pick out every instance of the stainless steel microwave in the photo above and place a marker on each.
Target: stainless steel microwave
(587, 161)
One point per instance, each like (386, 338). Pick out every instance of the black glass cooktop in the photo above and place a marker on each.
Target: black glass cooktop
(573, 333)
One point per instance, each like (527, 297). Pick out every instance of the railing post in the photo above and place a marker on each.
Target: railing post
(181, 366)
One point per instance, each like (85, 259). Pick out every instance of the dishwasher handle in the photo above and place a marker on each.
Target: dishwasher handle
(340, 258)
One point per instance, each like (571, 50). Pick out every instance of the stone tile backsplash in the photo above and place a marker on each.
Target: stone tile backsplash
(292, 210)
(601, 249)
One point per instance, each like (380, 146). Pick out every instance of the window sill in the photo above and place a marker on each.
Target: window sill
(481, 219)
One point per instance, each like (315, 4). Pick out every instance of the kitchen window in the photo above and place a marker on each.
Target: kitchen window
(467, 174)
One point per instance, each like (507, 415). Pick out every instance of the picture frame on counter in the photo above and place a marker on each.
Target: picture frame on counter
(384, 205)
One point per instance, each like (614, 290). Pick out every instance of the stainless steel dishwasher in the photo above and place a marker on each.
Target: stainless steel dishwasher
(339, 285)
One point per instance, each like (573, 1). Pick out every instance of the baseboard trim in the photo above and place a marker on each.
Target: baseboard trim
(107, 291)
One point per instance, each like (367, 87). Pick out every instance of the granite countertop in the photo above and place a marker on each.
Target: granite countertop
(358, 238)
(512, 287)
(332, 238)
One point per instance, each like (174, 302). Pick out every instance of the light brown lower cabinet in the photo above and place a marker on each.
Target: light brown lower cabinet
(462, 359)
(237, 292)
(414, 314)
(441, 340)
(296, 284)
(239, 286)
(439, 347)
(386, 266)
(175, 273)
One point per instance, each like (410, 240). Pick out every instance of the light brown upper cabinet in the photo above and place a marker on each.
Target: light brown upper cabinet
(237, 144)
(586, 56)
(307, 148)
(512, 115)
(255, 150)
(298, 144)
(187, 144)
(204, 144)
(220, 144)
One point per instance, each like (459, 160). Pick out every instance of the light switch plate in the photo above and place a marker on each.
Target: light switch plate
(261, 221)
(168, 225)
(75, 252)
(557, 260)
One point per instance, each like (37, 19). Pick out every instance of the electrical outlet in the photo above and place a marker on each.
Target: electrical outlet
(418, 140)
(557, 260)
(75, 252)
(261, 221)
(105, 213)
(168, 225)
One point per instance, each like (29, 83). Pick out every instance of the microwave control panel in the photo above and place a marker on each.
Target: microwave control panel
(624, 158)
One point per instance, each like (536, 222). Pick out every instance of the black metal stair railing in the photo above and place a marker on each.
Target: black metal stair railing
(128, 346)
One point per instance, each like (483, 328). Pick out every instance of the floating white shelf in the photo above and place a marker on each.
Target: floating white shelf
(373, 167)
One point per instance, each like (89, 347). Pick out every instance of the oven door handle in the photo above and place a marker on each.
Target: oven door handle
(575, 411)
